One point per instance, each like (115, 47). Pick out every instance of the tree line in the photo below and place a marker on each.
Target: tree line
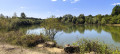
(15, 22)
(114, 18)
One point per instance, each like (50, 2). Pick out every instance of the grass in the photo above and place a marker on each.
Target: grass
(19, 38)
(96, 46)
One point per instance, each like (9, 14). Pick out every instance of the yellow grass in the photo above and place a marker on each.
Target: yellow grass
(113, 24)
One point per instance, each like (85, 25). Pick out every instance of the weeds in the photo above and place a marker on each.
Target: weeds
(18, 38)
(98, 47)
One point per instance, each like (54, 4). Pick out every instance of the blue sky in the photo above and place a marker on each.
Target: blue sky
(46, 8)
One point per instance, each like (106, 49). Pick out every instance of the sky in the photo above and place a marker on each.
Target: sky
(46, 8)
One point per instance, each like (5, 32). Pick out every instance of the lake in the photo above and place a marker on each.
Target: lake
(72, 33)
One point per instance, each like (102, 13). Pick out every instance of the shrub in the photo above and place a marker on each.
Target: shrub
(30, 40)
(21, 39)
(88, 46)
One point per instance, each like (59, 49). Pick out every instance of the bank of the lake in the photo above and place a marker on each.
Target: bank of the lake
(113, 24)
(22, 38)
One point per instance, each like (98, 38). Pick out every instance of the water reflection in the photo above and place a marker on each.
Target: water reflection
(71, 33)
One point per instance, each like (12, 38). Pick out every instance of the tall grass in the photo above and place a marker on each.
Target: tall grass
(19, 38)
(96, 46)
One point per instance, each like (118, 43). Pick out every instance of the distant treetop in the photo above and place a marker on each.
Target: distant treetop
(116, 10)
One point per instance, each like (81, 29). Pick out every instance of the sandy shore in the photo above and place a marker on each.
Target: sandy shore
(113, 24)
(12, 49)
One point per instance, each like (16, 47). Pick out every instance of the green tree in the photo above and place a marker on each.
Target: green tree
(68, 18)
(90, 19)
(103, 21)
(118, 19)
(95, 20)
(116, 10)
(74, 20)
(99, 17)
(23, 15)
(81, 19)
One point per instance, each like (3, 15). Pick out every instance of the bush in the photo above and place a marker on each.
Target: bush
(30, 40)
(18, 38)
(89, 46)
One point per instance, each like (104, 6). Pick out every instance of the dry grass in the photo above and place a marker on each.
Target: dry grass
(12, 49)
(113, 24)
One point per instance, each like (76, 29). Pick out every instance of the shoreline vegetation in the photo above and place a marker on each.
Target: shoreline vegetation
(83, 46)
(13, 34)
(113, 24)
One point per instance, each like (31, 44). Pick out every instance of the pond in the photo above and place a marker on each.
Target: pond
(72, 33)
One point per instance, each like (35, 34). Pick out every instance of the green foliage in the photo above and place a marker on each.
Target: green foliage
(81, 19)
(15, 23)
(23, 15)
(19, 38)
(116, 10)
(103, 21)
(74, 20)
(98, 47)
(67, 18)
(114, 18)
(50, 25)
(30, 40)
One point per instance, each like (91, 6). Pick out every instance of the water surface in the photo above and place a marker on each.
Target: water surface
(107, 34)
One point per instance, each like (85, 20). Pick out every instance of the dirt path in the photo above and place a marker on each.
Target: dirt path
(10, 49)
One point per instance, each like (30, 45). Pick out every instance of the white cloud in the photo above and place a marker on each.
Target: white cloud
(22, 7)
(64, 0)
(53, 0)
(75, 1)
(116, 4)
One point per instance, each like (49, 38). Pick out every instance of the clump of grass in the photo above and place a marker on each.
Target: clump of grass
(96, 46)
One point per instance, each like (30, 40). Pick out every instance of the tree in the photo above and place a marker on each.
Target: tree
(103, 21)
(2, 16)
(114, 19)
(51, 25)
(23, 15)
(60, 18)
(14, 15)
(95, 20)
(118, 19)
(90, 19)
(53, 16)
(116, 10)
(81, 19)
(74, 20)
(67, 18)
(99, 17)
